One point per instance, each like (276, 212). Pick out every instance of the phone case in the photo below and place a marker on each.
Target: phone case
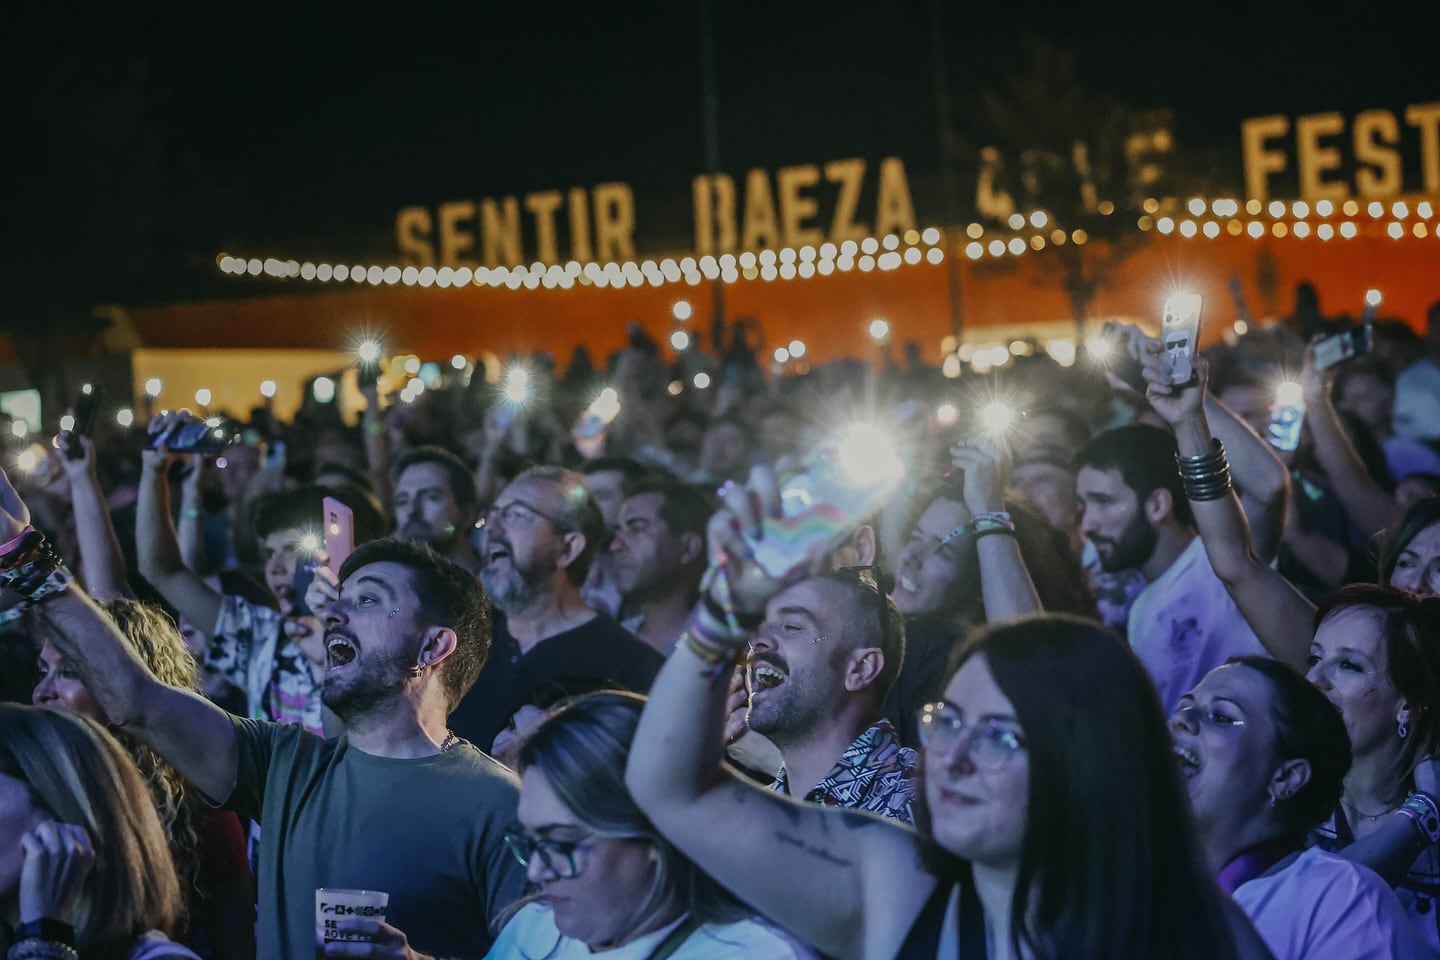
(1179, 333)
(1336, 349)
(339, 532)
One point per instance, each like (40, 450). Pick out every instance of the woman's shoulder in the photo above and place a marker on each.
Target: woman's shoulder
(156, 946)
(753, 938)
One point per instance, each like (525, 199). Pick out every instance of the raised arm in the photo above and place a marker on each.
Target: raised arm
(191, 528)
(1005, 584)
(1371, 508)
(1278, 613)
(102, 563)
(1261, 479)
(377, 441)
(848, 883)
(157, 547)
(196, 737)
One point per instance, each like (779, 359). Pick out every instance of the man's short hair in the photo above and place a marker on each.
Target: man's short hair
(873, 621)
(580, 513)
(684, 507)
(632, 470)
(458, 476)
(1144, 456)
(1073, 425)
(449, 596)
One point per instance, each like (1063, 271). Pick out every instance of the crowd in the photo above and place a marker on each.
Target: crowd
(850, 660)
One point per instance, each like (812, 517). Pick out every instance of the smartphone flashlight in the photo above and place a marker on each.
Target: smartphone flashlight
(997, 417)
(517, 385)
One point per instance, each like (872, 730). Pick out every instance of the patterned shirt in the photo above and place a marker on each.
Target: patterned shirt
(875, 774)
(249, 649)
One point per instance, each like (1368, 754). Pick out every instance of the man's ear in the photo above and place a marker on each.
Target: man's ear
(858, 550)
(1159, 506)
(574, 545)
(692, 548)
(863, 668)
(437, 644)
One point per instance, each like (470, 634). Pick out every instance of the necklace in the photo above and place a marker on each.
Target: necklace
(1365, 816)
(450, 742)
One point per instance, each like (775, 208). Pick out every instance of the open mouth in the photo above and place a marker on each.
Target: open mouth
(765, 677)
(338, 651)
(1189, 760)
(495, 554)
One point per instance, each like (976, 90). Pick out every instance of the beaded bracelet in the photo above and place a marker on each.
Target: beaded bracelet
(37, 949)
(38, 573)
(1423, 811)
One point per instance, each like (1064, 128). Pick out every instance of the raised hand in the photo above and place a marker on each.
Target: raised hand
(58, 858)
(742, 515)
(386, 942)
(14, 515)
(1176, 403)
(986, 462)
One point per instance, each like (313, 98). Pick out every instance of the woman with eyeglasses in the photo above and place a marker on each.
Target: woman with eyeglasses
(1056, 823)
(1263, 755)
(606, 883)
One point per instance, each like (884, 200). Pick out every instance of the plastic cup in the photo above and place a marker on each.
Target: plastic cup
(332, 906)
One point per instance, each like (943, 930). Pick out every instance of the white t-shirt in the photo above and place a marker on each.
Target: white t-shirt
(1184, 625)
(1325, 906)
(531, 933)
(1417, 401)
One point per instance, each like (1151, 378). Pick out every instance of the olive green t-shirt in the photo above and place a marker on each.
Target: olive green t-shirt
(427, 831)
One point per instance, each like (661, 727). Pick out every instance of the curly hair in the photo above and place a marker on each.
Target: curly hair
(157, 641)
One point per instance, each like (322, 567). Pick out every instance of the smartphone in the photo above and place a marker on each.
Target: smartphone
(1346, 345)
(1179, 334)
(339, 532)
(304, 576)
(367, 373)
(819, 506)
(1287, 416)
(87, 406)
(1119, 360)
(193, 436)
(275, 455)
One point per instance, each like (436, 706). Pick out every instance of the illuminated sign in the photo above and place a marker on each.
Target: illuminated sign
(785, 211)
(1372, 154)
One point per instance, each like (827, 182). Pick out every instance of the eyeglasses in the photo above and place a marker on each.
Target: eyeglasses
(560, 857)
(518, 513)
(990, 745)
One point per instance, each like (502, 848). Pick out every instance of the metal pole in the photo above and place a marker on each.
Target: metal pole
(950, 189)
(710, 111)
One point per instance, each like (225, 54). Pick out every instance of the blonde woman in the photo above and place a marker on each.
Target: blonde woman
(84, 868)
(207, 845)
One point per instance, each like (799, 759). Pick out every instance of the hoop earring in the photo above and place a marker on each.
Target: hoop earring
(1402, 729)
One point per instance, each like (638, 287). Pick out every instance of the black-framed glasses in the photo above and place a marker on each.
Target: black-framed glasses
(518, 513)
(563, 858)
(990, 744)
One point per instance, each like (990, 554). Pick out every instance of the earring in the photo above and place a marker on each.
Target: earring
(1402, 729)
(418, 670)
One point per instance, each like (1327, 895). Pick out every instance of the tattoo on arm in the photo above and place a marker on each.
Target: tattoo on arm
(814, 851)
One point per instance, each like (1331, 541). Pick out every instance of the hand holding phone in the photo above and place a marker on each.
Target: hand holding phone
(1340, 347)
(87, 406)
(186, 434)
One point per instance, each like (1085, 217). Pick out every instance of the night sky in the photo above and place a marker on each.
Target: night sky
(306, 142)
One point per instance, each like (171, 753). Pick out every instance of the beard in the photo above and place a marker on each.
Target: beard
(1131, 549)
(790, 713)
(366, 687)
(513, 583)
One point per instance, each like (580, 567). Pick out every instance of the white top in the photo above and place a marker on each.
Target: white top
(531, 933)
(1184, 624)
(1325, 906)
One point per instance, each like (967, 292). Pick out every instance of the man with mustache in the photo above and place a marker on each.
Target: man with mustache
(1183, 624)
(539, 540)
(435, 504)
(821, 664)
(397, 803)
